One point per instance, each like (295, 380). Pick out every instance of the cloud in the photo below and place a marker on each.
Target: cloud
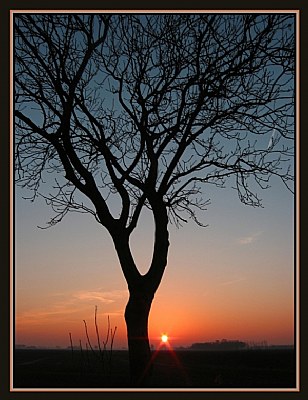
(101, 296)
(249, 239)
(221, 285)
(69, 304)
(246, 240)
(232, 282)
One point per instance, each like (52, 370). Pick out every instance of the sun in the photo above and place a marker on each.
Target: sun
(164, 338)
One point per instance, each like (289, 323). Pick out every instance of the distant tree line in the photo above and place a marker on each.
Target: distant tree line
(220, 345)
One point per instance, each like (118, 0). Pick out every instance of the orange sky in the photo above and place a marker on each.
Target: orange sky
(232, 280)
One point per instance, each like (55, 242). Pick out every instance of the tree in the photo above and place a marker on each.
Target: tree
(134, 111)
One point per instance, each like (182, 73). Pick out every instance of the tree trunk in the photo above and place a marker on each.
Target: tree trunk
(141, 292)
(136, 317)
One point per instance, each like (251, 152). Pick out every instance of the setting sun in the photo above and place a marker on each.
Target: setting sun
(164, 338)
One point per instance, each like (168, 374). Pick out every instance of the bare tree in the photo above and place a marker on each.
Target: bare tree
(133, 111)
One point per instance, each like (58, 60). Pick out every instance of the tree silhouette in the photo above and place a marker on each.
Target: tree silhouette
(132, 111)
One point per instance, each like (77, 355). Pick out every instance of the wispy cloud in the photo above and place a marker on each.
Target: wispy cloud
(232, 282)
(221, 285)
(249, 238)
(101, 296)
(65, 305)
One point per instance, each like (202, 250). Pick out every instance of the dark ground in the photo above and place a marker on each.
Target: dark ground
(180, 369)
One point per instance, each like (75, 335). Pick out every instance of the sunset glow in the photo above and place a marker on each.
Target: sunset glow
(234, 288)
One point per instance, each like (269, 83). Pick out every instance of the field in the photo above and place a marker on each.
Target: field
(171, 369)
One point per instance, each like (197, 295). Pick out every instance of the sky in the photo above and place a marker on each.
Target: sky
(232, 280)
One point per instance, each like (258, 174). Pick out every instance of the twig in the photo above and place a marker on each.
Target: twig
(97, 335)
(72, 347)
(86, 329)
(82, 361)
(108, 331)
(111, 346)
